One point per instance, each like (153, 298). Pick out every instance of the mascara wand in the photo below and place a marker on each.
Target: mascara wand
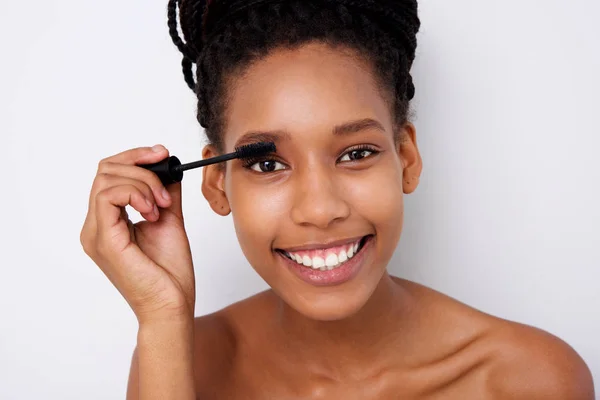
(170, 170)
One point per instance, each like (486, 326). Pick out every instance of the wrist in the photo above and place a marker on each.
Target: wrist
(165, 353)
(172, 314)
(151, 322)
(165, 332)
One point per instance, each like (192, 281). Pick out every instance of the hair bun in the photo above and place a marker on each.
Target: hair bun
(398, 17)
(401, 19)
(218, 13)
(201, 20)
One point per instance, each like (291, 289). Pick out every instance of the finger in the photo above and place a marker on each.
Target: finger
(140, 155)
(175, 207)
(106, 181)
(110, 201)
(159, 192)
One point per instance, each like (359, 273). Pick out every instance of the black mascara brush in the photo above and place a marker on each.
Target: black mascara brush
(170, 170)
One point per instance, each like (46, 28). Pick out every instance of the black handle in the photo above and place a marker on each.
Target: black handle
(166, 170)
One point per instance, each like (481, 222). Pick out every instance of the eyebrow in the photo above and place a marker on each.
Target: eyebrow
(277, 136)
(263, 136)
(357, 126)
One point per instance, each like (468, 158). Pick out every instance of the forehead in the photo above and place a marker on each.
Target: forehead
(310, 88)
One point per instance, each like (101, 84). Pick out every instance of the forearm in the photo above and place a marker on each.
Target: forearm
(165, 360)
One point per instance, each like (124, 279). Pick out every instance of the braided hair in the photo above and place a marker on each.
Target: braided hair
(222, 37)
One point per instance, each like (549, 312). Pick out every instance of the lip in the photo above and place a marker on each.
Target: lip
(333, 277)
(321, 246)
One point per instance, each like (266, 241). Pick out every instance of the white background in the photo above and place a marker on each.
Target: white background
(506, 218)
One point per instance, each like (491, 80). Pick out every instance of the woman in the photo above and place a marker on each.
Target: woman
(329, 82)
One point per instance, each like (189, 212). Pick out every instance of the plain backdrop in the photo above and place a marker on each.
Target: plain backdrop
(506, 218)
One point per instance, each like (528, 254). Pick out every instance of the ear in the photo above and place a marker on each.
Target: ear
(412, 163)
(213, 183)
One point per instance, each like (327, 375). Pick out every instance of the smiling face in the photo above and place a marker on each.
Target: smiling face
(320, 219)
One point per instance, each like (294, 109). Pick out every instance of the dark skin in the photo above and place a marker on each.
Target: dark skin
(375, 336)
(439, 349)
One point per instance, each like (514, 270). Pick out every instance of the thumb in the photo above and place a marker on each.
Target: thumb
(174, 190)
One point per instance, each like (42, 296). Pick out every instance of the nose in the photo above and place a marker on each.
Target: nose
(318, 200)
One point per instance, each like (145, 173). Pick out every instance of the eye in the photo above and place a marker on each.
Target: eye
(358, 154)
(266, 166)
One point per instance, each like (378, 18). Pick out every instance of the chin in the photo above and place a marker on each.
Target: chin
(332, 311)
(332, 303)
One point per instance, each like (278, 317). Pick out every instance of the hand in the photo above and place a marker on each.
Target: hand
(149, 262)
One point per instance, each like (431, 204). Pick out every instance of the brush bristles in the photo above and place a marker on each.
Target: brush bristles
(256, 149)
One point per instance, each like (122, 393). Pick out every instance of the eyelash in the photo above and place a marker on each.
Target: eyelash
(248, 163)
(362, 147)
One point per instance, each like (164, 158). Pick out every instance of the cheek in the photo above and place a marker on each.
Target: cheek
(378, 200)
(377, 197)
(257, 210)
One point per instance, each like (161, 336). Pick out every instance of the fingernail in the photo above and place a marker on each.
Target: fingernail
(158, 148)
(156, 211)
(165, 194)
(148, 202)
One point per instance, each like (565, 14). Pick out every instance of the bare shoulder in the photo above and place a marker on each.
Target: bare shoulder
(530, 363)
(506, 359)
(217, 339)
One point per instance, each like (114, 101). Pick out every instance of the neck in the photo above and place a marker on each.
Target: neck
(351, 344)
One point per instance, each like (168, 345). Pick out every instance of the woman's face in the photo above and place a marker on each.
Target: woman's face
(320, 219)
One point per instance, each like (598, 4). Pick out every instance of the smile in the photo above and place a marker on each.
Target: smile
(326, 259)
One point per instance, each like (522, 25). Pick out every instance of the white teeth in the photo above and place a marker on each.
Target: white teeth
(306, 261)
(331, 261)
(318, 262)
